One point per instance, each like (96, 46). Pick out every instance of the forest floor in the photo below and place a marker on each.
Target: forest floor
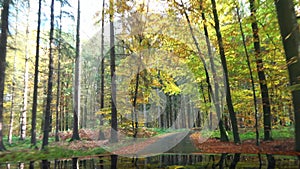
(149, 143)
(209, 146)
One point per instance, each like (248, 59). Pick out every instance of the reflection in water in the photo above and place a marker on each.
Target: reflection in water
(235, 160)
(31, 165)
(271, 161)
(45, 164)
(101, 162)
(217, 161)
(75, 163)
(114, 161)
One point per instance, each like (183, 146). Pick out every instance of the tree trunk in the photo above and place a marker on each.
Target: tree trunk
(50, 82)
(213, 95)
(3, 45)
(261, 74)
(13, 88)
(23, 117)
(36, 76)
(101, 134)
(114, 120)
(227, 84)
(76, 106)
(251, 74)
(58, 90)
(289, 30)
(134, 104)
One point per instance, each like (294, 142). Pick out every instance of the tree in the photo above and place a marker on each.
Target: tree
(215, 96)
(101, 134)
(3, 50)
(23, 118)
(13, 88)
(114, 120)
(289, 30)
(261, 74)
(36, 76)
(76, 106)
(50, 81)
(224, 64)
(250, 72)
(58, 91)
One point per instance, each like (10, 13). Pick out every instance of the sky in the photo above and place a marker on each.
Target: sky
(88, 11)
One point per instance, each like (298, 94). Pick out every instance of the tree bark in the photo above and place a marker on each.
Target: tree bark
(58, 83)
(251, 74)
(289, 30)
(3, 50)
(23, 117)
(13, 88)
(50, 82)
(227, 84)
(101, 134)
(76, 106)
(214, 95)
(36, 76)
(261, 74)
(114, 120)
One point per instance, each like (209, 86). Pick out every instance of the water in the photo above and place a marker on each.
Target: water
(165, 161)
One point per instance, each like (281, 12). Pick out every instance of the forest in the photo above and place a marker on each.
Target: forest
(149, 70)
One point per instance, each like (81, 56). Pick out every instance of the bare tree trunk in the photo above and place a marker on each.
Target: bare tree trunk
(58, 90)
(76, 109)
(289, 30)
(3, 45)
(23, 118)
(11, 117)
(50, 82)
(101, 134)
(114, 119)
(251, 75)
(134, 110)
(227, 84)
(261, 74)
(36, 76)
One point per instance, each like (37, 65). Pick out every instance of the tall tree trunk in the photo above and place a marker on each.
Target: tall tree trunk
(3, 45)
(214, 95)
(76, 106)
(250, 72)
(101, 134)
(289, 30)
(36, 76)
(114, 119)
(13, 88)
(23, 118)
(134, 105)
(261, 74)
(223, 133)
(227, 84)
(58, 90)
(50, 81)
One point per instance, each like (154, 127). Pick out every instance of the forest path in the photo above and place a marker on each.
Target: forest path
(178, 142)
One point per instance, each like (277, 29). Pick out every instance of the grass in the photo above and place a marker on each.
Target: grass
(21, 150)
(248, 134)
